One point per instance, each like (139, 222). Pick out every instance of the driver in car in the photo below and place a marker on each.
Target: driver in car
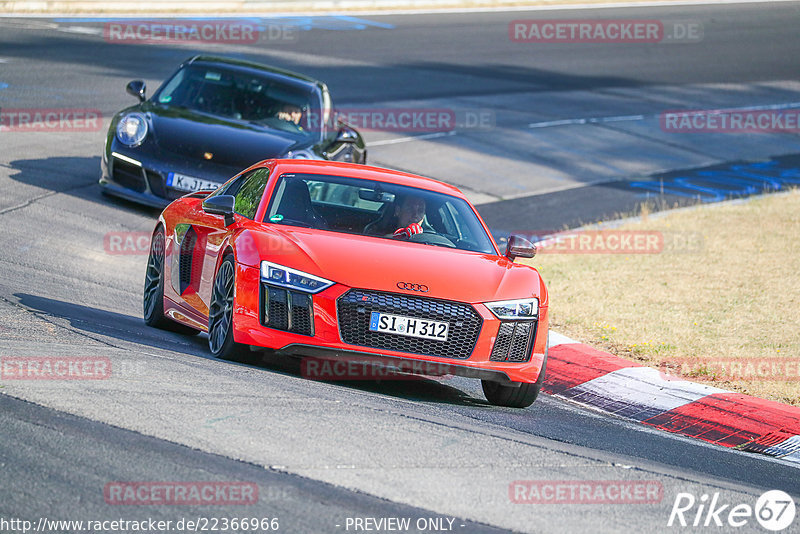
(402, 220)
(290, 113)
(409, 214)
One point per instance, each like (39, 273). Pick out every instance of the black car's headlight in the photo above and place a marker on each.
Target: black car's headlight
(132, 129)
(522, 309)
(278, 275)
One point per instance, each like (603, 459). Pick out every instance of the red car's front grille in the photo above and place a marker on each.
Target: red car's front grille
(355, 307)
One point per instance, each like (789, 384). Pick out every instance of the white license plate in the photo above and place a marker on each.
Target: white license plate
(408, 326)
(189, 183)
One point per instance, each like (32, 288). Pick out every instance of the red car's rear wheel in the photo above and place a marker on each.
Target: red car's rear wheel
(153, 296)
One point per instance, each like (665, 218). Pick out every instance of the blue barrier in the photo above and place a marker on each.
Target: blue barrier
(719, 184)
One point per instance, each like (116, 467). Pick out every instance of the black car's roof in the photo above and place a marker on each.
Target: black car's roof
(250, 66)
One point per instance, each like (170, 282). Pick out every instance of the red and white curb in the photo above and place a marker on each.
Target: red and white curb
(627, 389)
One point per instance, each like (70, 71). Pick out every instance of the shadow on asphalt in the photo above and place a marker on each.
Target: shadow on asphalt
(75, 176)
(132, 329)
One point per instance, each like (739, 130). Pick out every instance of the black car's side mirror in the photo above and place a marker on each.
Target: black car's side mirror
(519, 247)
(221, 205)
(346, 135)
(137, 88)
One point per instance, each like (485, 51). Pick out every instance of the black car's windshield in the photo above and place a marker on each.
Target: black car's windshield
(241, 96)
(378, 209)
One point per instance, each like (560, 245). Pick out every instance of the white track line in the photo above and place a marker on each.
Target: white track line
(411, 138)
(589, 120)
(622, 118)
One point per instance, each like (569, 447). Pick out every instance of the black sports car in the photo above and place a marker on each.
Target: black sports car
(213, 118)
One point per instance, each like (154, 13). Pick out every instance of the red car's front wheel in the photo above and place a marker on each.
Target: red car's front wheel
(513, 397)
(220, 315)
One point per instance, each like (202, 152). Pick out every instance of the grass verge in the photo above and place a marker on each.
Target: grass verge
(717, 302)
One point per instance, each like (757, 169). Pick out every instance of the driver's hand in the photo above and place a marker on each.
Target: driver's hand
(408, 231)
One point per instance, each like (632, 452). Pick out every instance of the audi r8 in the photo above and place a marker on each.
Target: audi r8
(212, 118)
(315, 259)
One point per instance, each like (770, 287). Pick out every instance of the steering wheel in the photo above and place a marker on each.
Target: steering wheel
(432, 239)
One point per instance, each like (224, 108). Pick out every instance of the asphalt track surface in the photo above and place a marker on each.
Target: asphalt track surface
(319, 452)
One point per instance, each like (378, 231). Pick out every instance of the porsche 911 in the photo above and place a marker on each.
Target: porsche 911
(212, 118)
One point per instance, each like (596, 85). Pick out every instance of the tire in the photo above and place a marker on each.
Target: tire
(515, 397)
(153, 294)
(220, 316)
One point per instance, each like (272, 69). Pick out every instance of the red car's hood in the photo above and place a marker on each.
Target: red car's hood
(379, 264)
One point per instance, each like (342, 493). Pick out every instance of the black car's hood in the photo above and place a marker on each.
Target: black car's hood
(193, 135)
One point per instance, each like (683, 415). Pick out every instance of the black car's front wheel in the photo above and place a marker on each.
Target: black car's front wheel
(220, 315)
(153, 296)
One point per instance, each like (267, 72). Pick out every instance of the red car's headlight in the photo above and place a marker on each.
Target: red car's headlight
(278, 275)
(522, 309)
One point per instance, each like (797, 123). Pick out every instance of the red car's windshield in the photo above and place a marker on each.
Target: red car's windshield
(378, 209)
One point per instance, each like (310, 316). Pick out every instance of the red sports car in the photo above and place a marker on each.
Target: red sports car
(336, 261)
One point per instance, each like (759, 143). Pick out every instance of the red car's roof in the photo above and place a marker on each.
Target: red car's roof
(354, 170)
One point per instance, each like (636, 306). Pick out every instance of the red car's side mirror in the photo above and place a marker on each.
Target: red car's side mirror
(519, 247)
(221, 205)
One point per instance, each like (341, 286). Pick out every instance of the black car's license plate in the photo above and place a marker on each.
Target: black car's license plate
(190, 183)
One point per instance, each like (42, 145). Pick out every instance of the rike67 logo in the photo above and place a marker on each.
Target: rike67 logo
(774, 511)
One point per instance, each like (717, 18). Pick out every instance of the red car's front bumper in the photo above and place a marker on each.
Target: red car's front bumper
(326, 341)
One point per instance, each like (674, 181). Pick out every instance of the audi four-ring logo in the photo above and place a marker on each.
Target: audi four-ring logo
(412, 287)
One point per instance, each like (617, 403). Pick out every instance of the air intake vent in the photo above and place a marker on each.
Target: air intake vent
(286, 310)
(514, 341)
(186, 257)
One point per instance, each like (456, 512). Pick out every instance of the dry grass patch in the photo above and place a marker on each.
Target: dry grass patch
(725, 291)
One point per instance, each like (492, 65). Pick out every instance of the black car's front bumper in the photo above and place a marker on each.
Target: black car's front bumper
(136, 175)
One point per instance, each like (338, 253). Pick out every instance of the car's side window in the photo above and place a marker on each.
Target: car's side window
(249, 192)
(235, 185)
(448, 220)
